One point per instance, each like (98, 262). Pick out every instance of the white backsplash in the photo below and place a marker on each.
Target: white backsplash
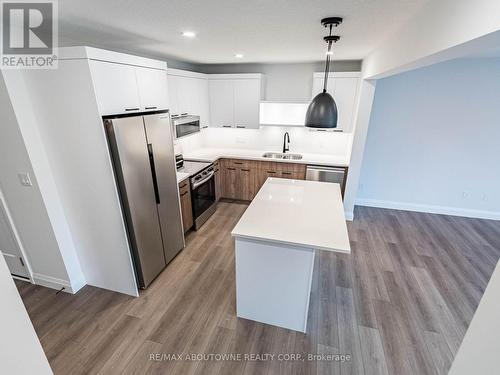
(269, 138)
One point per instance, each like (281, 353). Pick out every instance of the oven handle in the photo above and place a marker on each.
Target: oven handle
(198, 183)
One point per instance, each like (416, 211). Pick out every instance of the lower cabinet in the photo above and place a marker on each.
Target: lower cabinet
(239, 179)
(186, 206)
(242, 179)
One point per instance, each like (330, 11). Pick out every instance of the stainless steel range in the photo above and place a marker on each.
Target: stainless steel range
(202, 188)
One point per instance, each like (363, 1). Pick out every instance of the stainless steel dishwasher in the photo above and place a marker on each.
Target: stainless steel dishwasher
(327, 174)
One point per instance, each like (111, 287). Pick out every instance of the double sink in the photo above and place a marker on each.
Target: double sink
(282, 155)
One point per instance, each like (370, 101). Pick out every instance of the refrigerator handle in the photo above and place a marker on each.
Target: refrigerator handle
(153, 172)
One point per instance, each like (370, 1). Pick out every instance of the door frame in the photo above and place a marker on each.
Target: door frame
(15, 234)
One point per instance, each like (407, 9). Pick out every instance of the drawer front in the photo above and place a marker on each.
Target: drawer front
(237, 163)
(184, 187)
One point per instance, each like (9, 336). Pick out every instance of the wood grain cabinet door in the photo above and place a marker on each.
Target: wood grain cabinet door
(186, 205)
(246, 181)
(230, 187)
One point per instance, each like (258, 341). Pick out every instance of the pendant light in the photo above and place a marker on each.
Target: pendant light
(322, 112)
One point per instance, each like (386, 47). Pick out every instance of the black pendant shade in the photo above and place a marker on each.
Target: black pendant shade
(322, 111)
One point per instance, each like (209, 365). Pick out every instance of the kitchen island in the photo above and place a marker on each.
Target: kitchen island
(275, 243)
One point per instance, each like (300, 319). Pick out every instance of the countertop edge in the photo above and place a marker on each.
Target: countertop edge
(256, 158)
(294, 244)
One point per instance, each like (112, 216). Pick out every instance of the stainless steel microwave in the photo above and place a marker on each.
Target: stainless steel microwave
(185, 125)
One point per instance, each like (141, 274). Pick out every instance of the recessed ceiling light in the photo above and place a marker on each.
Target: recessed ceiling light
(238, 55)
(189, 34)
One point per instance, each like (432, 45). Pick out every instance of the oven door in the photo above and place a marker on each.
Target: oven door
(183, 129)
(203, 200)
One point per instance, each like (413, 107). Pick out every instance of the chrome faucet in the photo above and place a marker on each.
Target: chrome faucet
(286, 145)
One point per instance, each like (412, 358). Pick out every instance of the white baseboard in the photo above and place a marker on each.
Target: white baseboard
(443, 210)
(349, 215)
(55, 283)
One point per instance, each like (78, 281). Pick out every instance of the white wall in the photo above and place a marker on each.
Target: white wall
(478, 353)
(361, 122)
(271, 138)
(432, 35)
(28, 208)
(20, 349)
(433, 141)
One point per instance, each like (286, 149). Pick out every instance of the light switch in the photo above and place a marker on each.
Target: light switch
(25, 179)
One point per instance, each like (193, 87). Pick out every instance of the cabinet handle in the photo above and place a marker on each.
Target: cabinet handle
(271, 172)
(237, 162)
(287, 173)
(183, 186)
(231, 169)
(240, 126)
(150, 107)
(246, 170)
(131, 109)
(184, 114)
(183, 194)
(226, 126)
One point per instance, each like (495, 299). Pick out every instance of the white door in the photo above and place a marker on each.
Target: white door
(345, 95)
(221, 103)
(152, 84)
(9, 246)
(116, 87)
(246, 103)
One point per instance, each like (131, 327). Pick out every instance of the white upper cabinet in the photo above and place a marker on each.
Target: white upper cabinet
(246, 103)
(235, 100)
(188, 94)
(122, 88)
(345, 95)
(173, 90)
(116, 87)
(343, 86)
(221, 95)
(152, 84)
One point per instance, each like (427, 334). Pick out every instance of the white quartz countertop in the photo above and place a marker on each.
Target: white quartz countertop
(212, 154)
(300, 213)
(181, 176)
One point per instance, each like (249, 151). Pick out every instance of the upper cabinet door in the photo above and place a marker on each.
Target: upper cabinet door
(246, 103)
(318, 85)
(188, 96)
(116, 87)
(152, 86)
(345, 95)
(173, 97)
(221, 103)
(203, 106)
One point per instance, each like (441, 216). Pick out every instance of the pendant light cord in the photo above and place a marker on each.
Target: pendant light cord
(327, 65)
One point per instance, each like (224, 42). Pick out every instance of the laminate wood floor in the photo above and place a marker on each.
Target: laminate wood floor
(399, 304)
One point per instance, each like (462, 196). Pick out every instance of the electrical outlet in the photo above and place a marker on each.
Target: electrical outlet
(465, 195)
(25, 179)
(485, 197)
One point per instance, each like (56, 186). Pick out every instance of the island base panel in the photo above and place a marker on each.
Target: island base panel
(273, 283)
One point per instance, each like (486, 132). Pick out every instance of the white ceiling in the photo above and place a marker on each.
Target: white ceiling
(263, 30)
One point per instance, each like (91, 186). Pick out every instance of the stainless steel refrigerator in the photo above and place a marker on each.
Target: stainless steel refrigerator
(143, 158)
